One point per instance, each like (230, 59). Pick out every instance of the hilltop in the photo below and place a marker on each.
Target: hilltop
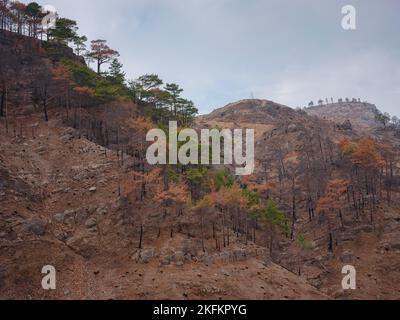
(362, 115)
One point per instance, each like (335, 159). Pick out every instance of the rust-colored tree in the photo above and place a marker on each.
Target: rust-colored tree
(138, 144)
(366, 173)
(331, 206)
(18, 14)
(172, 201)
(140, 188)
(262, 187)
(102, 53)
(84, 96)
(63, 75)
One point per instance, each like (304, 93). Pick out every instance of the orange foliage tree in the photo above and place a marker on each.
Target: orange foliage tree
(64, 76)
(366, 175)
(263, 188)
(173, 198)
(138, 144)
(102, 53)
(141, 188)
(331, 205)
(84, 96)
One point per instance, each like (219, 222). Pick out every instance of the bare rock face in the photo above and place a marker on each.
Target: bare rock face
(360, 114)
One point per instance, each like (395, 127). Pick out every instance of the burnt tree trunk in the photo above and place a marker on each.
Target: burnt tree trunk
(3, 95)
(141, 237)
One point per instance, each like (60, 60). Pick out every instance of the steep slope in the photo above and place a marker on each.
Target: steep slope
(297, 154)
(71, 216)
(281, 132)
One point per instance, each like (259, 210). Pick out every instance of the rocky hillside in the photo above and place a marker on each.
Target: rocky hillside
(360, 114)
(281, 132)
(60, 206)
(76, 193)
(298, 153)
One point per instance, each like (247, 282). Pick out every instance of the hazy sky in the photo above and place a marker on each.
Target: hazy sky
(220, 51)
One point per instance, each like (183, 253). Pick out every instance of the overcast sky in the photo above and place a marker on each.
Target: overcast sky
(220, 51)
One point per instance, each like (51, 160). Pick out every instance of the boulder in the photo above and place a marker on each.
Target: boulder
(178, 257)
(91, 223)
(147, 254)
(37, 227)
(102, 211)
(83, 244)
(345, 126)
(59, 217)
(69, 217)
(41, 150)
(144, 255)
(191, 247)
(166, 256)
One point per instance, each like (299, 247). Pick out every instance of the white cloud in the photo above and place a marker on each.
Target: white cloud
(369, 75)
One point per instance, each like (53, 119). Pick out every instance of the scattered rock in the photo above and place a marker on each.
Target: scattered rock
(68, 135)
(166, 256)
(102, 211)
(315, 282)
(69, 217)
(93, 189)
(41, 150)
(178, 256)
(207, 260)
(293, 128)
(83, 244)
(144, 255)
(91, 223)
(165, 261)
(60, 235)
(191, 247)
(37, 227)
(59, 217)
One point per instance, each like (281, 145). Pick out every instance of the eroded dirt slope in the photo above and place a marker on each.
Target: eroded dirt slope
(60, 206)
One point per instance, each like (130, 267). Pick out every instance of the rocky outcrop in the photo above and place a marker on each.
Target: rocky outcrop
(360, 114)
(345, 126)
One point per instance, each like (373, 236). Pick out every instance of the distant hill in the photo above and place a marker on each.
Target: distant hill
(360, 114)
(252, 110)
